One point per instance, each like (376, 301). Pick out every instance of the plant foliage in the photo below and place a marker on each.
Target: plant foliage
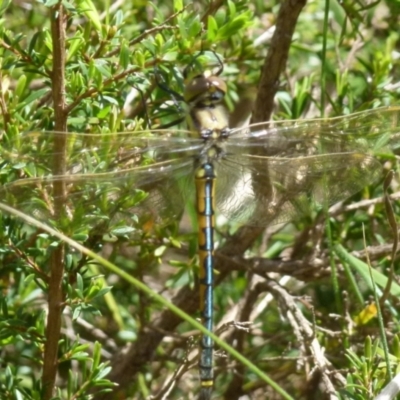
(72, 327)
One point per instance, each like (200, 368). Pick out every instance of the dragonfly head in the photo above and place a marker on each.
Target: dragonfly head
(205, 90)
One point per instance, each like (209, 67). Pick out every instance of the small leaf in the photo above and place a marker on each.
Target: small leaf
(103, 373)
(21, 84)
(212, 29)
(368, 348)
(232, 9)
(80, 237)
(194, 28)
(127, 336)
(4, 5)
(96, 354)
(396, 346)
(32, 97)
(75, 44)
(83, 356)
(51, 3)
(178, 5)
(176, 243)
(124, 56)
(104, 112)
(102, 292)
(160, 251)
(76, 313)
(122, 230)
(79, 282)
(89, 10)
(139, 59)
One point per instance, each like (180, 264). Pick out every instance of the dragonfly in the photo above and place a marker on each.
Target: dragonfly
(259, 175)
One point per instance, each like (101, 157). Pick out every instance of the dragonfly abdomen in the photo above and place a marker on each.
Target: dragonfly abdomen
(205, 204)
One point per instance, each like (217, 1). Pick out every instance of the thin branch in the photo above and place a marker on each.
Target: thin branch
(22, 56)
(339, 208)
(305, 334)
(149, 32)
(275, 61)
(90, 92)
(56, 296)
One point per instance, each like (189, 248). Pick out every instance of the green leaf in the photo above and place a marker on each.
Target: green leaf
(232, 9)
(160, 251)
(127, 336)
(103, 68)
(363, 269)
(139, 59)
(102, 292)
(396, 346)
(233, 27)
(104, 372)
(4, 5)
(195, 28)
(96, 354)
(82, 356)
(178, 5)
(212, 29)
(75, 44)
(123, 230)
(21, 84)
(69, 6)
(50, 3)
(124, 56)
(76, 313)
(79, 282)
(36, 94)
(104, 112)
(80, 237)
(89, 10)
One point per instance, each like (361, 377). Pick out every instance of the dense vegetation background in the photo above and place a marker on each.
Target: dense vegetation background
(294, 302)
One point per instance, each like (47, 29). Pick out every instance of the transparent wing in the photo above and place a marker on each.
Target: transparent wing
(111, 179)
(270, 172)
(269, 190)
(274, 172)
(367, 131)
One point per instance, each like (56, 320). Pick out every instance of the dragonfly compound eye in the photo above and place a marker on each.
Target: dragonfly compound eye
(202, 89)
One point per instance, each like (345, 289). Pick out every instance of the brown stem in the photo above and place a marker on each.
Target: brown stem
(56, 296)
(275, 61)
(19, 54)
